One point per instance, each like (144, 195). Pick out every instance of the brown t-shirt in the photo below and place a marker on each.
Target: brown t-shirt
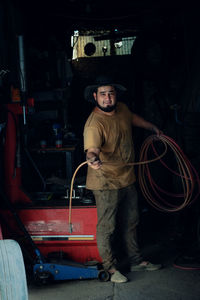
(113, 136)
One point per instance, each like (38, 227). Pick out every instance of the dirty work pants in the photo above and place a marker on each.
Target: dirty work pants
(117, 208)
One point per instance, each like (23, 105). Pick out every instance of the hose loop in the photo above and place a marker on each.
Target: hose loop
(151, 191)
(160, 198)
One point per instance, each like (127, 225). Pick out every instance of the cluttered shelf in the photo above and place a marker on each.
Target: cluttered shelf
(49, 159)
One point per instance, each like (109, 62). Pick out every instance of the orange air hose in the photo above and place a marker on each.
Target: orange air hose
(104, 162)
(186, 172)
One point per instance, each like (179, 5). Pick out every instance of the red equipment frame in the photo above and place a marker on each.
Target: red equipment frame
(48, 226)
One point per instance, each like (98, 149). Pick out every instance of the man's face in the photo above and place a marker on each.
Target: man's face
(106, 98)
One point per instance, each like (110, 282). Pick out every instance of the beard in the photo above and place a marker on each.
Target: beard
(109, 108)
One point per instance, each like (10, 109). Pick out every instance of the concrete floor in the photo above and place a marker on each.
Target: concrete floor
(169, 283)
(166, 284)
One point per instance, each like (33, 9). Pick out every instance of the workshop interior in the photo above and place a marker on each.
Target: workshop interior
(50, 51)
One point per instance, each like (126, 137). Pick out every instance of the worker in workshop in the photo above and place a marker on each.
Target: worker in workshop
(109, 148)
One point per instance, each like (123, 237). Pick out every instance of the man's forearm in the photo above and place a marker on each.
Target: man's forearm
(140, 122)
(92, 153)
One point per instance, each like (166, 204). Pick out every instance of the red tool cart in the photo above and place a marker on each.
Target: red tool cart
(44, 212)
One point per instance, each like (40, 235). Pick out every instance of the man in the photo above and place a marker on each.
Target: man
(108, 143)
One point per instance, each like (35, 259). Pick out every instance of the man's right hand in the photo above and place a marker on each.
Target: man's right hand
(94, 162)
(93, 158)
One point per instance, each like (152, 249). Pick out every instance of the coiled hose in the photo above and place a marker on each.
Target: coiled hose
(161, 199)
(186, 173)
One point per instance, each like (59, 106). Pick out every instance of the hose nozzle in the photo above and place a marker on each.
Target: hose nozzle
(70, 227)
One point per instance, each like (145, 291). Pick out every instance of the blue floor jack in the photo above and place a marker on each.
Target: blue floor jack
(45, 271)
(50, 271)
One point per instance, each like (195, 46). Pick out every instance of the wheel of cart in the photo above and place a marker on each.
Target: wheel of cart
(13, 284)
(103, 275)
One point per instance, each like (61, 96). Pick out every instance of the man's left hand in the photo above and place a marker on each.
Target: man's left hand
(156, 130)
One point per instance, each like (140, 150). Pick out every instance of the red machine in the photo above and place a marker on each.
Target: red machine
(47, 224)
